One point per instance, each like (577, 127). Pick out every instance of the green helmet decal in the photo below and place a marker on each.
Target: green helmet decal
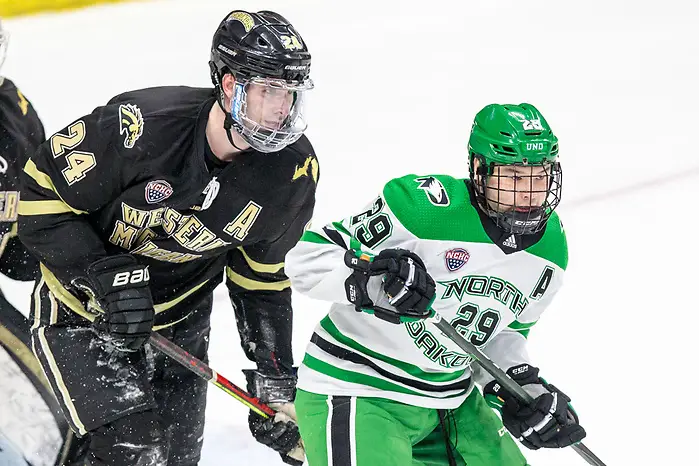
(512, 134)
(517, 179)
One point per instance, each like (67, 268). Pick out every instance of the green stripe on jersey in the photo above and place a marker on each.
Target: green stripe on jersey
(415, 371)
(516, 325)
(364, 379)
(313, 237)
(522, 327)
(341, 228)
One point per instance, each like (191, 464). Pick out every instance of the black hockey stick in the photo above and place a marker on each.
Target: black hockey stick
(203, 370)
(502, 378)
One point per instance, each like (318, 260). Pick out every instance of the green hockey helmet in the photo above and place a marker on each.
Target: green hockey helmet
(513, 164)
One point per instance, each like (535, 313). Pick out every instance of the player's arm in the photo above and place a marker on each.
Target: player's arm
(508, 348)
(365, 259)
(550, 421)
(73, 174)
(261, 297)
(316, 265)
(260, 293)
(36, 134)
(15, 260)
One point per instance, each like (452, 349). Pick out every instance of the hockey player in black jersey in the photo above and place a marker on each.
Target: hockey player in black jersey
(137, 209)
(21, 132)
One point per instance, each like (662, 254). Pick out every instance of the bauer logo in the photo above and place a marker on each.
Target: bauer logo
(158, 191)
(225, 49)
(456, 258)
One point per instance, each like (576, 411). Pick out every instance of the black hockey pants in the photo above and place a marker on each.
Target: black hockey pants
(140, 408)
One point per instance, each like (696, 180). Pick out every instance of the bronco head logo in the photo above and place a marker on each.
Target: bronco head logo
(130, 123)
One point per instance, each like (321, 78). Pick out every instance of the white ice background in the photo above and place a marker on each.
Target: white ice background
(397, 86)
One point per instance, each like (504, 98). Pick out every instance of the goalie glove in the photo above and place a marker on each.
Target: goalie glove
(549, 422)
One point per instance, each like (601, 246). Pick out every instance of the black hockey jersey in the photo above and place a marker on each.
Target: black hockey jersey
(21, 132)
(132, 177)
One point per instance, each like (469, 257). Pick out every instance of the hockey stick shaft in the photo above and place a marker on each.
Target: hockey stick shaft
(205, 372)
(503, 379)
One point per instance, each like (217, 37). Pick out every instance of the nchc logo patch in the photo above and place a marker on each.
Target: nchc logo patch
(158, 191)
(456, 258)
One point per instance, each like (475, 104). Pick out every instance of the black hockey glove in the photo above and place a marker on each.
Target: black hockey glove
(406, 283)
(120, 286)
(280, 432)
(549, 422)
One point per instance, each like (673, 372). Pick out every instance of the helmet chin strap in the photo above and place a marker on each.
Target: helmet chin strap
(520, 223)
(227, 122)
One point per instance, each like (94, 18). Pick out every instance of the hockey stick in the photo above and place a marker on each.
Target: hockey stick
(203, 370)
(504, 380)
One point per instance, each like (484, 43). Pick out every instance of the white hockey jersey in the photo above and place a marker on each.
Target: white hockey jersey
(491, 286)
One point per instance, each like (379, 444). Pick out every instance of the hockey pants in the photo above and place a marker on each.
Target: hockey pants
(140, 408)
(360, 431)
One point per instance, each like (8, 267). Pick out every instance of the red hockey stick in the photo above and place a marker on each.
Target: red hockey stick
(205, 372)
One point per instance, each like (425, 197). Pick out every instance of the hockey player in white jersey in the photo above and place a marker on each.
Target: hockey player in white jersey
(379, 385)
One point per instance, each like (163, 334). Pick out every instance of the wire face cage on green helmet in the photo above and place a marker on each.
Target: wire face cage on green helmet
(513, 163)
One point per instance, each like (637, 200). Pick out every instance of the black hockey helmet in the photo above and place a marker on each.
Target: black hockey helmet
(262, 44)
(261, 49)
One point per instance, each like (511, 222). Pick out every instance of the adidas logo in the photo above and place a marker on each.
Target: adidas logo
(510, 242)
